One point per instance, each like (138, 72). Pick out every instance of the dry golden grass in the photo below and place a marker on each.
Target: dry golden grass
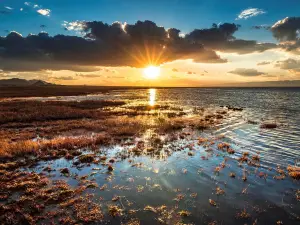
(18, 148)
(30, 111)
(23, 148)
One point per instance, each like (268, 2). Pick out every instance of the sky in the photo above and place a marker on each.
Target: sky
(111, 42)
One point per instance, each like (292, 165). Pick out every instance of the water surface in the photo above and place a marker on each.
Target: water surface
(184, 182)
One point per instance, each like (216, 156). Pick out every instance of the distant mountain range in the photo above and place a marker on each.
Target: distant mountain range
(16, 82)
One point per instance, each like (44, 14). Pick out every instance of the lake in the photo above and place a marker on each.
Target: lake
(189, 182)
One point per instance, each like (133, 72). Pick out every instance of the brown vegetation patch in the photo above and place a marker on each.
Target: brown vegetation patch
(294, 172)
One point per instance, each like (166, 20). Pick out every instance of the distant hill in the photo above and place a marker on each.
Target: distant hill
(16, 82)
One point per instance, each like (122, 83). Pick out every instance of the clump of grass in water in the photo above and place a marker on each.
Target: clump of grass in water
(294, 172)
(86, 158)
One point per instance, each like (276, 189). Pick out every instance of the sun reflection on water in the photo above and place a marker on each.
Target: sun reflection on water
(152, 96)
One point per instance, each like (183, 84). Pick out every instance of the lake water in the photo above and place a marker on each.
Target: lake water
(280, 105)
(183, 182)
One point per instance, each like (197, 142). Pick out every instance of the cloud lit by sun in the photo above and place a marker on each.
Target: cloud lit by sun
(152, 72)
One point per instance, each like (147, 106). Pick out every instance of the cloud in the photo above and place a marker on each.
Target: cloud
(95, 74)
(44, 12)
(261, 27)
(269, 75)
(75, 25)
(251, 12)
(115, 77)
(89, 75)
(247, 72)
(216, 34)
(220, 38)
(190, 73)
(288, 64)
(241, 46)
(63, 78)
(175, 70)
(135, 45)
(9, 8)
(263, 63)
(287, 29)
(292, 65)
(38, 8)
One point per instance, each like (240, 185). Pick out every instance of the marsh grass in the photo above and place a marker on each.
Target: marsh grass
(30, 111)
(42, 147)
(55, 129)
(18, 148)
(294, 172)
(41, 199)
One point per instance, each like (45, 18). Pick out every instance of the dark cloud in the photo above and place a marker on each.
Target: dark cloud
(292, 65)
(286, 29)
(215, 34)
(20, 65)
(263, 63)
(175, 70)
(288, 64)
(261, 27)
(245, 46)
(269, 75)
(135, 45)
(247, 72)
(292, 47)
(221, 38)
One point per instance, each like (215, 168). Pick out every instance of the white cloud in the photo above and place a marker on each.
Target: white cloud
(38, 8)
(75, 25)
(9, 8)
(247, 13)
(44, 12)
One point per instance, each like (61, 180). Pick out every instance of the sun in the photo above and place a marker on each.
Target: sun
(152, 72)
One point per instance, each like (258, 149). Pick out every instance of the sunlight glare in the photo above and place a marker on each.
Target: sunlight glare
(151, 72)
(152, 96)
